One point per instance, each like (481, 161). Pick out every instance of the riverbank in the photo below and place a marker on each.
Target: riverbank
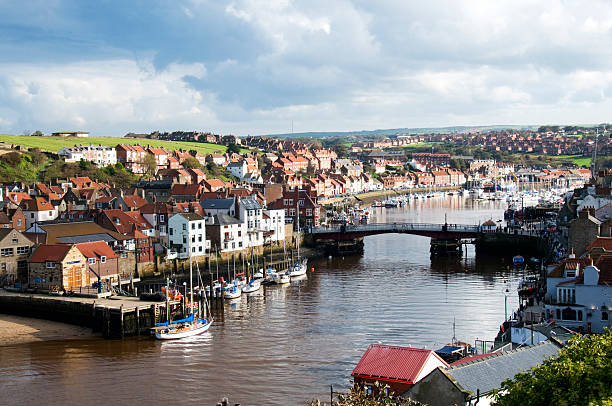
(369, 197)
(20, 330)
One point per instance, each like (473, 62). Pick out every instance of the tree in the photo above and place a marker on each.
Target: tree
(340, 150)
(149, 163)
(358, 397)
(580, 375)
(233, 148)
(192, 163)
(12, 158)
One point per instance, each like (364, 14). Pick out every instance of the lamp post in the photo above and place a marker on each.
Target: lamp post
(506, 304)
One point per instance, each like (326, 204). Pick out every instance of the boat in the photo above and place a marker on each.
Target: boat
(283, 279)
(188, 326)
(299, 266)
(232, 292)
(253, 286)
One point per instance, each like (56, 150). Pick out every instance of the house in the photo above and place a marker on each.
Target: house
(214, 184)
(157, 214)
(583, 230)
(161, 156)
(130, 202)
(580, 293)
(102, 261)
(98, 154)
(396, 367)
(156, 190)
(474, 382)
(56, 267)
(187, 234)
(132, 157)
(488, 226)
(37, 210)
(190, 192)
(250, 212)
(212, 207)
(309, 210)
(226, 233)
(238, 168)
(273, 222)
(14, 252)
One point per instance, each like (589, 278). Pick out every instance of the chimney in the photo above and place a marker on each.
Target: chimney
(572, 255)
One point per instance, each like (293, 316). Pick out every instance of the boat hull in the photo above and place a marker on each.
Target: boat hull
(182, 333)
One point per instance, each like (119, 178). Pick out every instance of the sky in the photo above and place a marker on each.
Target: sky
(261, 66)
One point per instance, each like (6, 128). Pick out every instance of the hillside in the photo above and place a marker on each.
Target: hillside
(54, 144)
(395, 131)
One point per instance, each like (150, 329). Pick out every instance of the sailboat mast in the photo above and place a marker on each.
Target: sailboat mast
(190, 283)
(298, 225)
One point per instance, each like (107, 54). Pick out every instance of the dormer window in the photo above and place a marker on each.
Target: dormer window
(117, 220)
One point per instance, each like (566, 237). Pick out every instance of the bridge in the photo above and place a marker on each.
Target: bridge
(444, 237)
(437, 231)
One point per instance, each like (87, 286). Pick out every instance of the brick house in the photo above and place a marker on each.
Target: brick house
(14, 252)
(58, 267)
(583, 230)
(101, 259)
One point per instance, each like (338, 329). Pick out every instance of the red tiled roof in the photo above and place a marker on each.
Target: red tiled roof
(392, 362)
(139, 219)
(191, 189)
(50, 252)
(17, 197)
(134, 201)
(37, 204)
(96, 249)
(601, 242)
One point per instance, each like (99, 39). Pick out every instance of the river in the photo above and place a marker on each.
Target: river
(288, 344)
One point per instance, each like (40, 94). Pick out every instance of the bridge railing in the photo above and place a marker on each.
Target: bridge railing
(399, 227)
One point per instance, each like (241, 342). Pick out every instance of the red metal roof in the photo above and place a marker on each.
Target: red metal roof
(393, 363)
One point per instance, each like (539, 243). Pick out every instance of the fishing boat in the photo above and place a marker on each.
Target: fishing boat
(188, 326)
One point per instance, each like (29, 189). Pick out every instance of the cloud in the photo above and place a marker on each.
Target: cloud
(254, 66)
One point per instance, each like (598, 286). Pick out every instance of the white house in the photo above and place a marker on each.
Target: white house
(187, 234)
(38, 209)
(580, 294)
(238, 168)
(212, 207)
(273, 221)
(251, 213)
(99, 154)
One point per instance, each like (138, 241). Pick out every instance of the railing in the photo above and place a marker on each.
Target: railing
(398, 227)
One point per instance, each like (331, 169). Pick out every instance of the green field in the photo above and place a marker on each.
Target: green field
(54, 144)
(421, 145)
(578, 160)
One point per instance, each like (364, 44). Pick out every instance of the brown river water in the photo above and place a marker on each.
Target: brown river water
(286, 345)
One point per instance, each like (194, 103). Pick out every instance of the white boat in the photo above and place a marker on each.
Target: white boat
(183, 329)
(297, 269)
(283, 279)
(232, 292)
(252, 286)
(258, 275)
(187, 327)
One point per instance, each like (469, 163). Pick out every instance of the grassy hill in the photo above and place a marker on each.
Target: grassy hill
(54, 144)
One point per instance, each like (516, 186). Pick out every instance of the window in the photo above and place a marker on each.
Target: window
(124, 255)
(290, 202)
(368, 389)
(31, 215)
(103, 259)
(604, 315)
(240, 243)
(225, 245)
(162, 218)
(91, 261)
(162, 229)
(200, 225)
(3, 267)
(200, 248)
(50, 264)
(18, 222)
(193, 238)
(171, 231)
(50, 213)
(309, 212)
(192, 249)
(200, 238)
(23, 250)
(571, 274)
(239, 233)
(291, 212)
(184, 227)
(193, 226)
(6, 252)
(184, 240)
(286, 202)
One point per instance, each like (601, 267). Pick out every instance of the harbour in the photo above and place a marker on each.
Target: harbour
(393, 293)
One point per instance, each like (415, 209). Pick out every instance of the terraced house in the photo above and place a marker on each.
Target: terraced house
(14, 252)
